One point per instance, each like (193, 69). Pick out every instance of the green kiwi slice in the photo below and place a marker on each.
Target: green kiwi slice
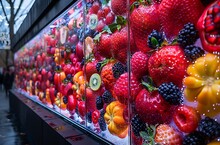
(95, 82)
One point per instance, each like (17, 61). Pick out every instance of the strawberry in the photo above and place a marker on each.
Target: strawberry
(107, 76)
(121, 88)
(119, 7)
(152, 108)
(72, 102)
(167, 65)
(95, 116)
(103, 47)
(166, 135)
(143, 20)
(90, 100)
(90, 69)
(139, 64)
(67, 68)
(175, 13)
(119, 44)
(186, 118)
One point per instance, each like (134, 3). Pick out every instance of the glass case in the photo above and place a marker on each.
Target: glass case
(130, 71)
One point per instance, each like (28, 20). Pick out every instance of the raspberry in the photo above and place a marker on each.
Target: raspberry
(102, 123)
(118, 69)
(137, 125)
(188, 35)
(171, 93)
(107, 97)
(99, 103)
(195, 138)
(121, 88)
(210, 128)
(193, 52)
(139, 62)
(155, 35)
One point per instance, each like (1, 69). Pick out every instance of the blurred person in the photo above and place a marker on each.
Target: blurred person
(6, 80)
(1, 80)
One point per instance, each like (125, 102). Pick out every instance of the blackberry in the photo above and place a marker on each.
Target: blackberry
(210, 128)
(89, 117)
(107, 97)
(118, 69)
(99, 103)
(73, 49)
(98, 66)
(195, 138)
(69, 77)
(193, 52)
(102, 123)
(137, 125)
(171, 93)
(65, 100)
(155, 39)
(188, 35)
(102, 113)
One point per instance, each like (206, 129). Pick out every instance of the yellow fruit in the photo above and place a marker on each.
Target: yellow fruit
(203, 84)
(115, 120)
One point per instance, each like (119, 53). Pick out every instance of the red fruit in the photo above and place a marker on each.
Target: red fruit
(73, 39)
(90, 100)
(136, 140)
(139, 62)
(110, 18)
(79, 50)
(68, 89)
(81, 109)
(95, 116)
(186, 118)
(67, 68)
(208, 26)
(143, 20)
(121, 88)
(71, 105)
(100, 14)
(174, 14)
(100, 25)
(119, 44)
(52, 94)
(119, 7)
(168, 65)
(90, 69)
(107, 76)
(166, 135)
(95, 7)
(103, 47)
(152, 108)
(106, 10)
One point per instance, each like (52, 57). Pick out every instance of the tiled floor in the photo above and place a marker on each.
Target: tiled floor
(9, 134)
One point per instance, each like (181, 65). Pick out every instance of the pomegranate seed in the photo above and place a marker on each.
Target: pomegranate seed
(216, 9)
(210, 11)
(217, 18)
(210, 28)
(210, 39)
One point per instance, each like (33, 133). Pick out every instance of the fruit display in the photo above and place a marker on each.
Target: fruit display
(141, 72)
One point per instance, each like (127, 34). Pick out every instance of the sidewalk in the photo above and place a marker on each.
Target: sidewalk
(9, 134)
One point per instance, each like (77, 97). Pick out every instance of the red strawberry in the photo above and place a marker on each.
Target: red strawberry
(71, 105)
(168, 65)
(103, 46)
(81, 108)
(186, 118)
(119, 7)
(121, 88)
(90, 100)
(90, 69)
(95, 116)
(143, 20)
(139, 62)
(166, 135)
(107, 76)
(152, 108)
(175, 13)
(119, 43)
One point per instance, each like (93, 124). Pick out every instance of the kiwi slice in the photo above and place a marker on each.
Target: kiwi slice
(95, 82)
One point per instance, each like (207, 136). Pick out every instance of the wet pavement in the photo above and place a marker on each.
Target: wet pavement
(9, 133)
